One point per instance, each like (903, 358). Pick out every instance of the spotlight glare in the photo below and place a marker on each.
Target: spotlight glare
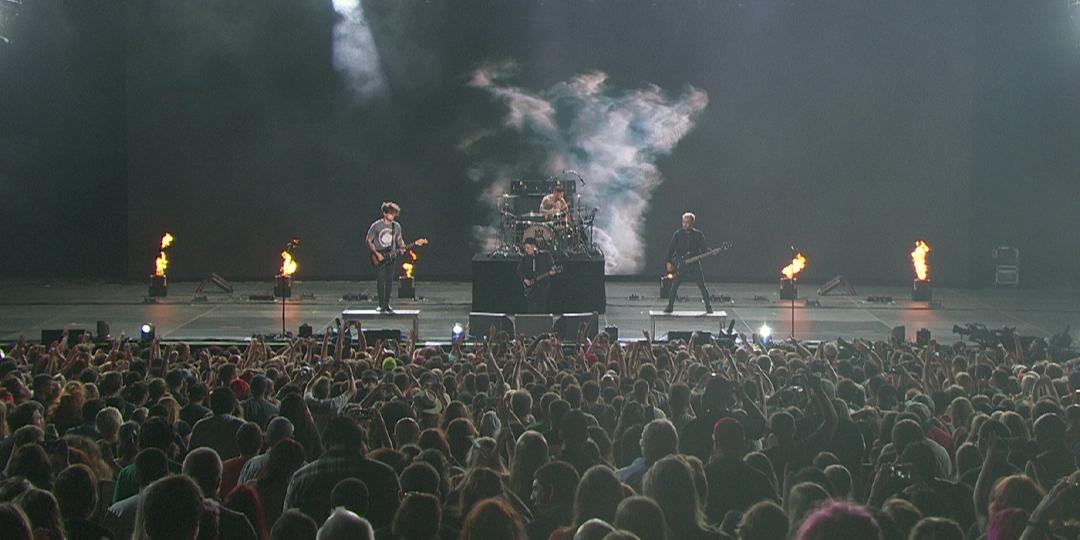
(765, 332)
(147, 332)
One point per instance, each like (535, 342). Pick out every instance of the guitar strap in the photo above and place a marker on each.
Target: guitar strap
(391, 251)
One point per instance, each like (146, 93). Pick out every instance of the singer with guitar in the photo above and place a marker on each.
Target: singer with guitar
(686, 243)
(384, 241)
(534, 270)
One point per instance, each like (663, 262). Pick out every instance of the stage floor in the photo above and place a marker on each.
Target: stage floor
(27, 308)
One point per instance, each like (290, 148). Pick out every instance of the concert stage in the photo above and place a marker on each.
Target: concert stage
(27, 308)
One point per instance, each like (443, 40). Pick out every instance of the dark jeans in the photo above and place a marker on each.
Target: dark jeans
(384, 278)
(689, 274)
(536, 300)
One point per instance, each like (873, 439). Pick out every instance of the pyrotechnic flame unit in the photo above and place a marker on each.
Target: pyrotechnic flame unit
(789, 289)
(407, 283)
(159, 285)
(283, 280)
(666, 281)
(920, 288)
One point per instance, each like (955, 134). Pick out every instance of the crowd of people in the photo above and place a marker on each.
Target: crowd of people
(512, 438)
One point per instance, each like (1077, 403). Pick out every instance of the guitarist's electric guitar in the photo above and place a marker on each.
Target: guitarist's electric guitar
(536, 280)
(389, 255)
(682, 262)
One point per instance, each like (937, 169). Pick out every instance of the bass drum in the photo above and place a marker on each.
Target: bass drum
(542, 232)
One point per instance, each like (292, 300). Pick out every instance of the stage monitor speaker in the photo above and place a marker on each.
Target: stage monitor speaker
(612, 333)
(305, 330)
(375, 334)
(480, 324)
(899, 333)
(568, 324)
(532, 324)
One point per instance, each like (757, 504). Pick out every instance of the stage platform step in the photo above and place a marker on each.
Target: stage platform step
(718, 316)
(410, 315)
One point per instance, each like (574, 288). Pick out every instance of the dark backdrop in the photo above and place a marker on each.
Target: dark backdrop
(845, 128)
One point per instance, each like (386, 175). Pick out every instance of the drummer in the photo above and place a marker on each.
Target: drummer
(554, 206)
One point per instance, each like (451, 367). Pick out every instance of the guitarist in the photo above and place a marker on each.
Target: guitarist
(384, 240)
(534, 264)
(687, 242)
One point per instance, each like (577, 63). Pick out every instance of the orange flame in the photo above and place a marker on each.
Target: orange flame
(161, 263)
(796, 266)
(409, 267)
(288, 264)
(918, 258)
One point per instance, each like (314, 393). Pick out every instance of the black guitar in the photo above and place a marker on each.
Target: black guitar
(682, 262)
(390, 255)
(555, 270)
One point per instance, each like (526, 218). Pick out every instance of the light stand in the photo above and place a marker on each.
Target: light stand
(793, 314)
(283, 290)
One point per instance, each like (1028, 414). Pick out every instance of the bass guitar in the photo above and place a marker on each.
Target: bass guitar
(390, 254)
(555, 270)
(682, 262)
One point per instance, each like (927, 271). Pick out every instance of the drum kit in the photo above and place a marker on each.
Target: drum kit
(569, 232)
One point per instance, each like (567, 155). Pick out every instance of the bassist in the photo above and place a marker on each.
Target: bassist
(536, 264)
(687, 242)
(384, 240)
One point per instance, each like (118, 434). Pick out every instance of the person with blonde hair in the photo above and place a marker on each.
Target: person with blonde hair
(763, 521)
(685, 243)
(670, 483)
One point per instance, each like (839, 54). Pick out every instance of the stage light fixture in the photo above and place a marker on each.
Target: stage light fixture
(147, 332)
(457, 332)
(765, 332)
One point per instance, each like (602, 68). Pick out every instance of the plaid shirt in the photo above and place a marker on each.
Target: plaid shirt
(310, 487)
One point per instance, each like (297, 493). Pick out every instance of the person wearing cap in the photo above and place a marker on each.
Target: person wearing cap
(733, 485)
(533, 268)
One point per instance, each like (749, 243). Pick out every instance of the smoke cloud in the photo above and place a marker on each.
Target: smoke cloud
(612, 137)
(355, 54)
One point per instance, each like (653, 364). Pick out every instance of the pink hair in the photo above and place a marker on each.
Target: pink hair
(839, 520)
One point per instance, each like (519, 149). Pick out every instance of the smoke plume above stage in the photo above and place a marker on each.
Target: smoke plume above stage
(611, 136)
